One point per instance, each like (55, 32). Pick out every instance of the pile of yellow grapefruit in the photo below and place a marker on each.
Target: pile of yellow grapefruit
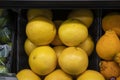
(58, 43)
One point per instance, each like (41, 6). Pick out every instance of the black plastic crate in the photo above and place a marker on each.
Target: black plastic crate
(94, 31)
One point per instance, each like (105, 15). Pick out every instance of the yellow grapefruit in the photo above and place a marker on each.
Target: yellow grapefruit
(58, 75)
(84, 15)
(27, 74)
(43, 60)
(91, 75)
(108, 45)
(72, 32)
(58, 51)
(87, 45)
(57, 41)
(33, 13)
(29, 46)
(73, 60)
(40, 31)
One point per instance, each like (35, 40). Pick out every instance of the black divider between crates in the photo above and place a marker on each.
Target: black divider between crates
(94, 31)
(22, 58)
(14, 37)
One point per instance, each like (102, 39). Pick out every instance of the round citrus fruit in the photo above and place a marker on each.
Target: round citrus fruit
(58, 74)
(59, 49)
(84, 15)
(91, 75)
(72, 32)
(33, 13)
(87, 45)
(27, 74)
(43, 60)
(29, 46)
(111, 22)
(73, 60)
(40, 31)
(57, 41)
(108, 45)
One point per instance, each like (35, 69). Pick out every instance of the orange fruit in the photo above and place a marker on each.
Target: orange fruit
(111, 22)
(108, 45)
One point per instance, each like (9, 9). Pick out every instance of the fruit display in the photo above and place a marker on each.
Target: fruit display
(58, 49)
(108, 46)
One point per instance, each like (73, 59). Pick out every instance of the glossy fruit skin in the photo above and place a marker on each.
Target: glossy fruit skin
(27, 74)
(58, 74)
(29, 46)
(87, 45)
(43, 60)
(72, 32)
(71, 60)
(40, 31)
(86, 16)
(91, 75)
